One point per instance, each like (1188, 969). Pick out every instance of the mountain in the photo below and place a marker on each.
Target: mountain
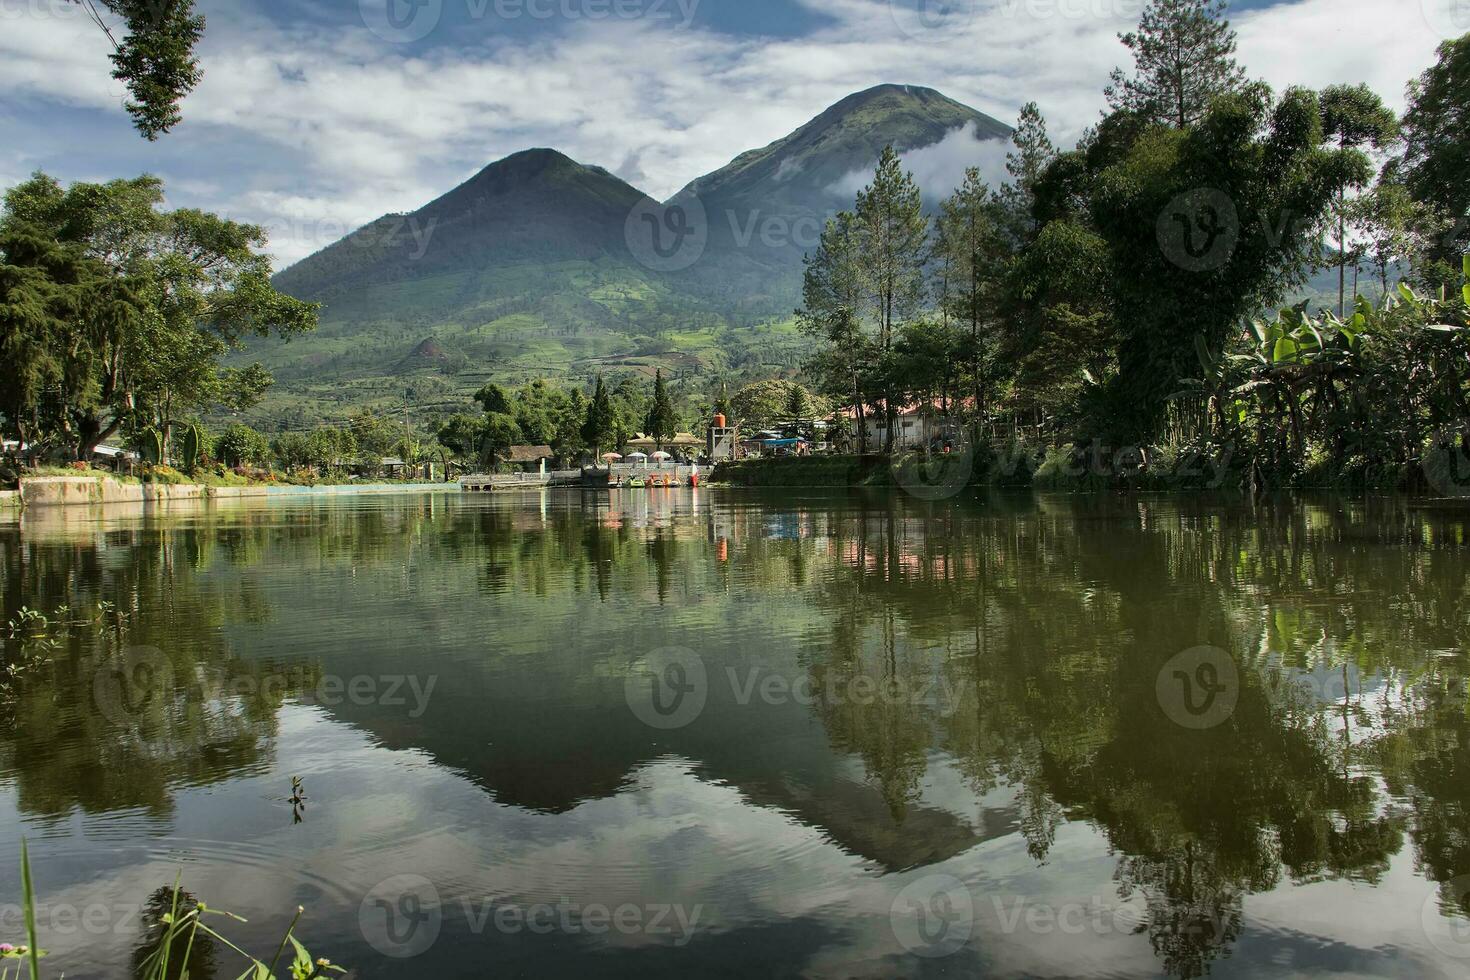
(534, 206)
(766, 208)
(808, 170)
(534, 266)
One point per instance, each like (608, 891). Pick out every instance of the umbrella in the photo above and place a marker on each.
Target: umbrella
(636, 456)
(661, 455)
(612, 455)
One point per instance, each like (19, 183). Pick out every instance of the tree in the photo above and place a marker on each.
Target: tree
(463, 435)
(567, 440)
(154, 300)
(1231, 253)
(1031, 154)
(329, 448)
(1436, 162)
(832, 303)
(501, 432)
(240, 445)
(765, 403)
(374, 435)
(1352, 116)
(493, 398)
(291, 450)
(968, 246)
(890, 219)
(156, 56)
(1184, 57)
(539, 408)
(598, 427)
(661, 417)
(40, 289)
(799, 405)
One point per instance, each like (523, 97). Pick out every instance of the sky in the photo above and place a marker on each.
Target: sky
(317, 116)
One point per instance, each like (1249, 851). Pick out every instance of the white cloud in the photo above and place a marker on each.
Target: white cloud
(940, 167)
(353, 127)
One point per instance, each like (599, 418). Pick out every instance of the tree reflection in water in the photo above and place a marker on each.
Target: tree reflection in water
(1050, 618)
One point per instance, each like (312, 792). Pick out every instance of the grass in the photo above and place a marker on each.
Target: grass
(75, 471)
(182, 927)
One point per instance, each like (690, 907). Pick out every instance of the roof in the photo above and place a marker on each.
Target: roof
(928, 406)
(529, 454)
(680, 439)
(114, 452)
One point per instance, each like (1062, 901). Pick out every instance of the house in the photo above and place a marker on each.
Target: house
(918, 425)
(528, 459)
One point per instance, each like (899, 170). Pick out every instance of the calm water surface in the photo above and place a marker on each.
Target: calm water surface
(706, 733)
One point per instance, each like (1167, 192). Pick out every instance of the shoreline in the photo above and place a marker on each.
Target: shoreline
(52, 492)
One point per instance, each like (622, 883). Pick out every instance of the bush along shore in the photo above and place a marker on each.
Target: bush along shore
(1094, 467)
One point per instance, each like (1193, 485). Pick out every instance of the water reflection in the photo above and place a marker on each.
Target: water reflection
(890, 691)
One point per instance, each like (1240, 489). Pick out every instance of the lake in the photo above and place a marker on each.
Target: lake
(705, 733)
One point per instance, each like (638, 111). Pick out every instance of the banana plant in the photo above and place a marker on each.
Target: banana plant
(191, 447)
(151, 443)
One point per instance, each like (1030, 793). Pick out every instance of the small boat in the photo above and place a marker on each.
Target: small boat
(635, 483)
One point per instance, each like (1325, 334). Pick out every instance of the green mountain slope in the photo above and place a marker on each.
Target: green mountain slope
(767, 206)
(527, 270)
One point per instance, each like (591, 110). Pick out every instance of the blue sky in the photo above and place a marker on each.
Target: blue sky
(317, 116)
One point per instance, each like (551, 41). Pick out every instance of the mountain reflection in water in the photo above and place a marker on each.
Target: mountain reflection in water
(902, 708)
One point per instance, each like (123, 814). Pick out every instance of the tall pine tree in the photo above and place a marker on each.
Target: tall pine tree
(894, 231)
(661, 417)
(601, 421)
(968, 248)
(1184, 56)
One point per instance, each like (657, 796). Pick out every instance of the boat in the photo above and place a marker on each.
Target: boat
(635, 483)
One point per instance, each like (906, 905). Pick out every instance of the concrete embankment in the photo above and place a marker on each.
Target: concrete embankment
(60, 491)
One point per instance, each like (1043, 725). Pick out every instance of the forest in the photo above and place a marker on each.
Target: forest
(1131, 294)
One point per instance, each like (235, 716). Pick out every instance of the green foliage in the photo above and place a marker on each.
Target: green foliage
(1201, 227)
(240, 445)
(192, 441)
(767, 403)
(862, 285)
(1436, 161)
(599, 427)
(661, 419)
(1184, 58)
(135, 308)
(155, 58)
(462, 435)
